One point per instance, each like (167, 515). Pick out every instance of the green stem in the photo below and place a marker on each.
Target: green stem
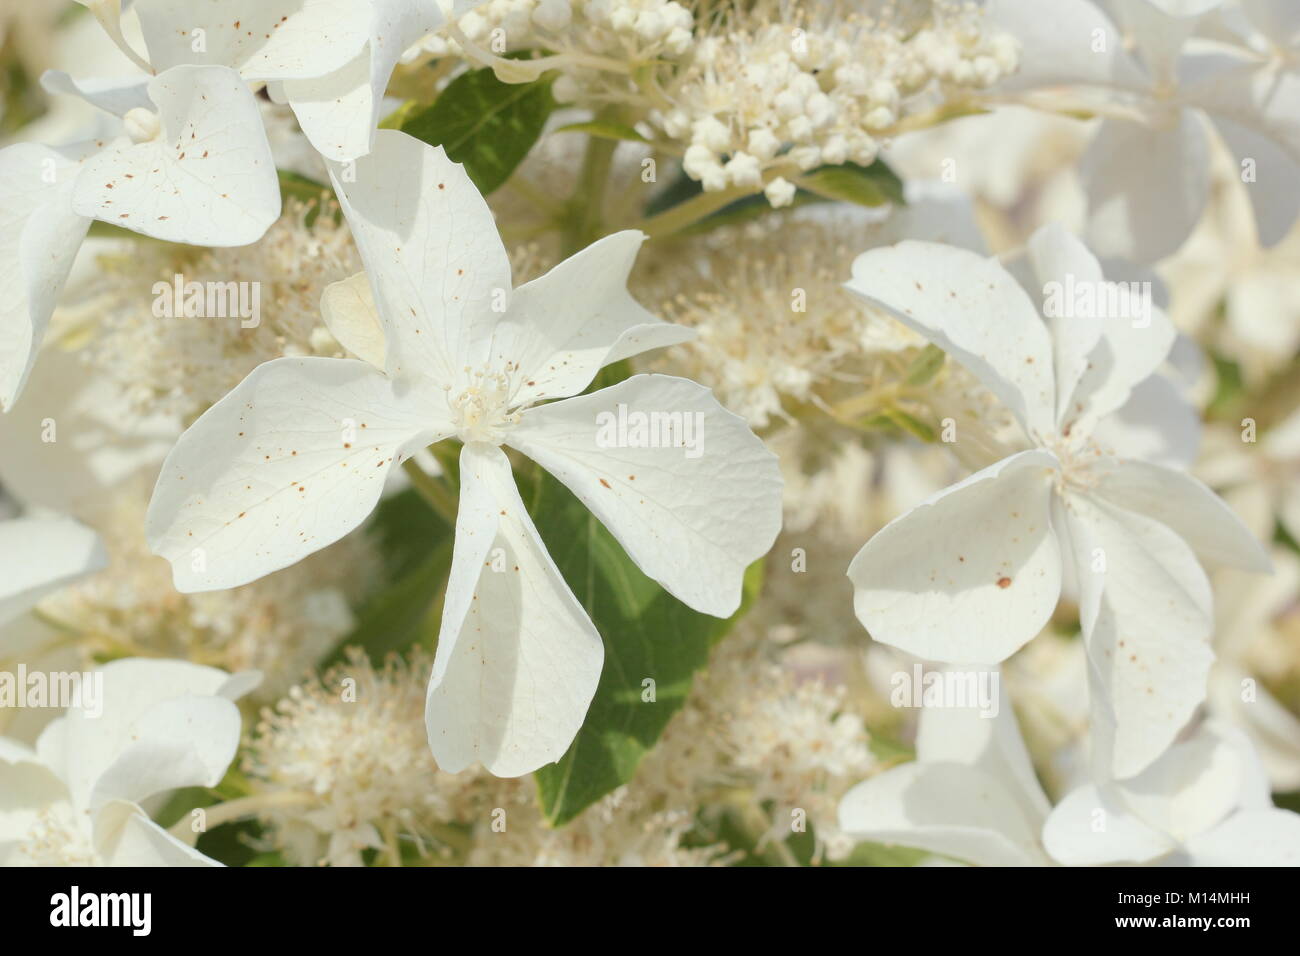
(688, 213)
(586, 206)
(436, 493)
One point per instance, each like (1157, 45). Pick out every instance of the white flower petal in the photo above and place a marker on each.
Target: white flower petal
(153, 713)
(1129, 350)
(177, 743)
(287, 463)
(1186, 505)
(1194, 785)
(348, 308)
(691, 518)
(969, 575)
(1145, 610)
(1273, 175)
(993, 745)
(40, 555)
(1092, 827)
(1251, 838)
(262, 39)
(1234, 86)
(1160, 29)
(1060, 261)
(335, 111)
(975, 311)
(1157, 424)
(565, 326)
(1064, 48)
(116, 96)
(1146, 186)
(39, 238)
(945, 808)
(339, 112)
(1279, 20)
(208, 179)
(518, 658)
(432, 252)
(125, 836)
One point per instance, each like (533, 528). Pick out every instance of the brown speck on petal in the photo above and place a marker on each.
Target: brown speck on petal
(605, 483)
(1004, 583)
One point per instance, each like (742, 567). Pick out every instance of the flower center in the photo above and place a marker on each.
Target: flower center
(482, 410)
(57, 837)
(1075, 469)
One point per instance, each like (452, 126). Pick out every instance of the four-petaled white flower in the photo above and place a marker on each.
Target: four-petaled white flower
(188, 161)
(1147, 171)
(296, 456)
(75, 799)
(975, 572)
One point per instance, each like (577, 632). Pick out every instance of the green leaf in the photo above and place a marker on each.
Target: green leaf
(487, 125)
(416, 547)
(603, 129)
(872, 185)
(926, 365)
(647, 634)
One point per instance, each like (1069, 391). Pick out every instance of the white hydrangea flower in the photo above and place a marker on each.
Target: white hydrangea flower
(976, 571)
(189, 162)
(1147, 172)
(75, 799)
(296, 456)
(971, 793)
(1203, 803)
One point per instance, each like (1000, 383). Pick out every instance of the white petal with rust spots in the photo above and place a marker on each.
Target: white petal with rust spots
(207, 179)
(973, 309)
(339, 112)
(1186, 505)
(971, 574)
(518, 658)
(565, 326)
(1146, 616)
(431, 249)
(691, 522)
(287, 463)
(262, 39)
(1060, 261)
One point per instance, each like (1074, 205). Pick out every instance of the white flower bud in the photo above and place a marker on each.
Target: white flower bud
(779, 192)
(744, 170)
(141, 125)
(763, 143)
